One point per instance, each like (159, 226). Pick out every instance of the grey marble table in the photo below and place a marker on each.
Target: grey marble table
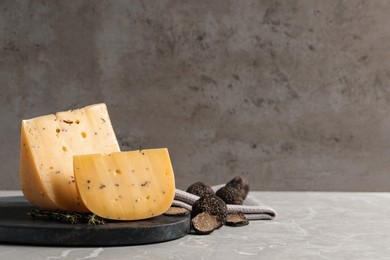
(309, 225)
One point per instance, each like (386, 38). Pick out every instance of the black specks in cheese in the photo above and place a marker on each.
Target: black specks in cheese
(146, 183)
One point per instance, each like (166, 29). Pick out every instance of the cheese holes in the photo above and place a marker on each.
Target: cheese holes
(64, 148)
(83, 134)
(147, 197)
(77, 121)
(117, 171)
(58, 130)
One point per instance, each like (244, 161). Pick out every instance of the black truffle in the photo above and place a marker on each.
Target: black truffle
(176, 211)
(200, 189)
(204, 223)
(211, 204)
(230, 195)
(241, 184)
(237, 219)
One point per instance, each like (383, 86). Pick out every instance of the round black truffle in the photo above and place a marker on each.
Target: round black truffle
(230, 195)
(240, 184)
(211, 204)
(200, 189)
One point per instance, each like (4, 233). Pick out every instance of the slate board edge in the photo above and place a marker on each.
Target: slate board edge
(90, 236)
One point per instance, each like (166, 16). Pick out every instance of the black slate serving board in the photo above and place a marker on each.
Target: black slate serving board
(16, 226)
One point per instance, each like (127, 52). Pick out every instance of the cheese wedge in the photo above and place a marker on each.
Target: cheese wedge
(48, 144)
(126, 185)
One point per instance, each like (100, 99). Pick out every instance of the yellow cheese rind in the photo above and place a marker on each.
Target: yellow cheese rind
(126, 185)
(48, 144)
(32, 185)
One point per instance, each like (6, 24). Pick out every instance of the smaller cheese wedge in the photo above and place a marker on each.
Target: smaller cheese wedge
(125, 185)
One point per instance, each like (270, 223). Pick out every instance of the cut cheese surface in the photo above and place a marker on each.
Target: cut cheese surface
(126, 185)
(48, 144)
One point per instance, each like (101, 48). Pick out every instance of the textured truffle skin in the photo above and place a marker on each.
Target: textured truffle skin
(211, 204)
(241, 184)
(200, 189)
(230, 195)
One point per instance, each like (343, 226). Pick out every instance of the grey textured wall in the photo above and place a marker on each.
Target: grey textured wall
(294, 95)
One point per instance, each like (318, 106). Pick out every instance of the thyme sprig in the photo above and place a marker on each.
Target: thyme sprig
(68, 217)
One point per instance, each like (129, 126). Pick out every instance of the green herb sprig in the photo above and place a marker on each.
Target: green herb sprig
(68, 217)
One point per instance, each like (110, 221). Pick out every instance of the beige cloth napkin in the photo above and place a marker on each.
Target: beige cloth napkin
(252, 208)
